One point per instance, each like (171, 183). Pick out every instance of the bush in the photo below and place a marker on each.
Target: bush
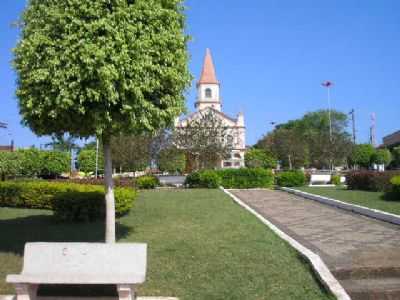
(246, 178)
(70, 202)
(203, 179)
(370, 181)
(291, 179)
(336, 180)
(193, 180)
(231, 178)
(257, 158)
(118, 182)
(395, 182)
(147, 182)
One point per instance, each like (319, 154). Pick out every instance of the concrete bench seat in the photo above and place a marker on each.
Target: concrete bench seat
(320, 179)
(81, 263)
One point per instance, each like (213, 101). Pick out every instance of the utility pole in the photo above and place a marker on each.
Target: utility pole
(353, 120)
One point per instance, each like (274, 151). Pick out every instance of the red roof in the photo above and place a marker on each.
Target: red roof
(208, 75)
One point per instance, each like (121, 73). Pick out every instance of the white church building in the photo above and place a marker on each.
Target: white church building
(209, 98)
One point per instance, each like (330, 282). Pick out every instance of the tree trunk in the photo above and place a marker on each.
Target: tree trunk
(109, 185)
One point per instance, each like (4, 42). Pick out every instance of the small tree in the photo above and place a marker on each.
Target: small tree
(31, 162)
(171, 160)
(9, 164)
(362, 155)
(258, 158)
(205, 139)
(101, 68)
(382, 157)
(87, 161)
(54, 163)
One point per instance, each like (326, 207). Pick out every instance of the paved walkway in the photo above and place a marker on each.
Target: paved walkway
(354, 247)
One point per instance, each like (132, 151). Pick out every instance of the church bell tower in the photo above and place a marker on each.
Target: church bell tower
(208, 86)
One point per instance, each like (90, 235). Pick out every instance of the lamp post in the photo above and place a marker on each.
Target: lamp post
(329, 84)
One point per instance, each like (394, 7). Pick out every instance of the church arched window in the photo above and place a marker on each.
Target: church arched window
(208, 93)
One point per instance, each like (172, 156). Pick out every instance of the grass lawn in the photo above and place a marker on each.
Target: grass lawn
(201, 246)
(373, 200)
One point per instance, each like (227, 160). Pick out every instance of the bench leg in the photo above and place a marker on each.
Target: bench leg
(125, 292)
(26, 291)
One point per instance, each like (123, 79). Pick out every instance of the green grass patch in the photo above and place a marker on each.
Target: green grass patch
(375, 200)
(201, 246)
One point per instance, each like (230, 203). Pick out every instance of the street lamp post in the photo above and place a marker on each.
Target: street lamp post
(328, 85)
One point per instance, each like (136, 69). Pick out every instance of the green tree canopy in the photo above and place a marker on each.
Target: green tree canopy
(362, 155)
(171, 160)
(307, 141)
(87, 161)
(259, 158)
(382, 157)
(102, 68)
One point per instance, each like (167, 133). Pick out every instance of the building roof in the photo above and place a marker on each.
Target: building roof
(6, 148)
(208, 74)
(392, 140)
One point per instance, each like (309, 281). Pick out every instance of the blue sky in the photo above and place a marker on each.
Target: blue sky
(271, 57)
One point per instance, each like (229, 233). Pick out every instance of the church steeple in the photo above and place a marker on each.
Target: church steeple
(208, 74)
(208, 85)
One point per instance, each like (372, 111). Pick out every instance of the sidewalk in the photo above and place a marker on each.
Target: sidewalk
(363, 253)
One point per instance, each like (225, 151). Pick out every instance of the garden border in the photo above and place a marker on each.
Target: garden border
(321, 270)
(12, 297)
(358, 209)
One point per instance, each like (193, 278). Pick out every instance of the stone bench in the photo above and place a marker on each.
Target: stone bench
(320, 179)
(81, 263)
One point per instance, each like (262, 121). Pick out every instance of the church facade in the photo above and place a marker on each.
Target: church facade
(209, 99)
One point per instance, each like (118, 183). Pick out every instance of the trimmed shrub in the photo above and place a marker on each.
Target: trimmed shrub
(291, 179)
(370, 181)
(118, 182)
(203, 179)
(246, 178)
(231, 178)
(70, 202)
(147, 182)
(193, 180)
(209, 179)
(336, 180)
(395, 181)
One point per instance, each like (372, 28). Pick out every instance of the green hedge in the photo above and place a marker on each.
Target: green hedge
(70, 202)
(231, 178)
(291, 179)
(147, 182)
(395, 181)
(370, 180)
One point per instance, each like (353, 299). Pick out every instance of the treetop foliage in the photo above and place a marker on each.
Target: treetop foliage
(101, 67)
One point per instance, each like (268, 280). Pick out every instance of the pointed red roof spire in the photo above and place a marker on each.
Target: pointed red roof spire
(208, 73)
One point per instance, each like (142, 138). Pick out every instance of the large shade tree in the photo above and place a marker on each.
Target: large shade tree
(101, 67)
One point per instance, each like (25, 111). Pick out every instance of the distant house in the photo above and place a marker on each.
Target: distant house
(392, 140)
